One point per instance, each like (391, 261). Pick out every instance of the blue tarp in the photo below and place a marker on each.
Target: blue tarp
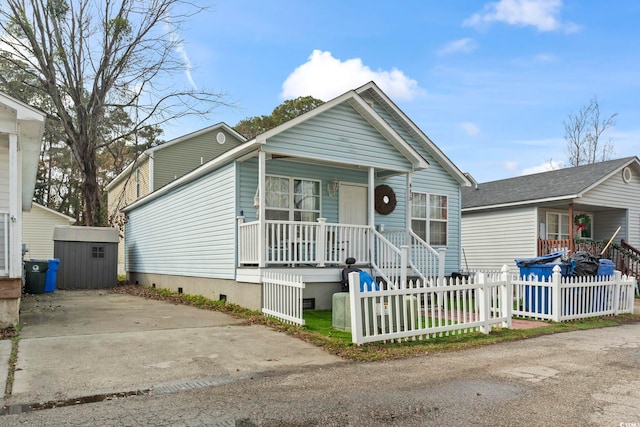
(367, 283)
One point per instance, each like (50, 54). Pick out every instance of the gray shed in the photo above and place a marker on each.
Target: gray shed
(88, 257)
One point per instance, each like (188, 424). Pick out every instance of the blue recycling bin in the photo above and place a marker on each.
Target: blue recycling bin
(538, 299)
(605, 267)
(50, 281)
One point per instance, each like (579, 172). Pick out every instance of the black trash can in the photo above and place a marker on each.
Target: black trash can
(35, 276)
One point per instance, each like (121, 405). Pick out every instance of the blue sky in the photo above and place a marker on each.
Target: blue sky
(491, 83)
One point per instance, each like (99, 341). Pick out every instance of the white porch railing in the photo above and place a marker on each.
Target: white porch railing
(424, 260)
(282, 297)
(4, 243)
(294, 243)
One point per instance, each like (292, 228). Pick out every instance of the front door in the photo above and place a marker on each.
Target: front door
(352, 201)
(353, 204)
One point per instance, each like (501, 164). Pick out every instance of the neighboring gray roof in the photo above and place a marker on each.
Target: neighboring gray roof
(556, 184)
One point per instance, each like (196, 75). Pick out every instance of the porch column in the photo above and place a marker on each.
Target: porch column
(407, 227)
(15, 208)
(570, 228)
(372, 219)
(262, 161)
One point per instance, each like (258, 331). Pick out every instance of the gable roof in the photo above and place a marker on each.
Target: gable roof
(374, 91)
(355, 100)
(368, 113)
(148, 152)
(54, 212)
(558, 184)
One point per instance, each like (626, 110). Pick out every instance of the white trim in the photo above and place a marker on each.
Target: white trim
(368, 113)
(423, 138)
(521, 203)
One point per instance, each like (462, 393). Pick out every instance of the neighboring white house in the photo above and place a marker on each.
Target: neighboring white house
(37, 230)
(21, 129)
(577, 208)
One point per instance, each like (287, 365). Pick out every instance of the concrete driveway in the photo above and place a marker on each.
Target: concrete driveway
(78, 344)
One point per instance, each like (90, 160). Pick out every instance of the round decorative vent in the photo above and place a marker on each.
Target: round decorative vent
(626, 174)
(385, 199)
(221, 138)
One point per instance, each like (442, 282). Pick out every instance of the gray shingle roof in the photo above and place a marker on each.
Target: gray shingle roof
(557, 183)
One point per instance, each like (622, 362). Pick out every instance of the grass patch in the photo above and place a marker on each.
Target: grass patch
(318, 329)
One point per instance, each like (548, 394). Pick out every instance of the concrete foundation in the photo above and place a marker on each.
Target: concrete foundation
(247, 295)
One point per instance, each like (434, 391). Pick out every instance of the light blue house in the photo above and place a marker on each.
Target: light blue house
(354, 177)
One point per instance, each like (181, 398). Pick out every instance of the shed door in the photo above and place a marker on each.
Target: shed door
(353, 204)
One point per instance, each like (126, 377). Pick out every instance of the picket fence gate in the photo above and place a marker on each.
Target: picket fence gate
(282, 295)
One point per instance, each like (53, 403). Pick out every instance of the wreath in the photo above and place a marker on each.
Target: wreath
(581, 221)
(385, 199)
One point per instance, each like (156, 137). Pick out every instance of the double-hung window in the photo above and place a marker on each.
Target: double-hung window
(429, 217)
(292, 199)
(557, 226)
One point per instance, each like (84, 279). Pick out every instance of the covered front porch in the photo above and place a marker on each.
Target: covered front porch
(316, 213)
(597, 230)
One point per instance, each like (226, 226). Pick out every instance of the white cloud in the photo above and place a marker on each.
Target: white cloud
(541, 14)
(545, 167)
(511, 165)
(461, 45)
(325, 77)
(470, 128)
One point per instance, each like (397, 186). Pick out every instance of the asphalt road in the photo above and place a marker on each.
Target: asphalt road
(586, 378)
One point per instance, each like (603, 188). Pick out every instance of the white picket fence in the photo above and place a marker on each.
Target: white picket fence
(282, 296)
(559, 298)
(425, 309)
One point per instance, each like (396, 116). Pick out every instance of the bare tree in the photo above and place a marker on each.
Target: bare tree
(583, 133)
(92, 58)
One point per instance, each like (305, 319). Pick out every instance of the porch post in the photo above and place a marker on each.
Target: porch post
(262, 159)
(371, 220)
(15, 208)
(321, 242)
(570, 228)
(407, 226)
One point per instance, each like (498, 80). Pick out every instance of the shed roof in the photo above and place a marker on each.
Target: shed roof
(71, 233)
(553, 185)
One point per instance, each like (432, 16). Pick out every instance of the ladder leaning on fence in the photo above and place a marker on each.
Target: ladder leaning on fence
(282, 296)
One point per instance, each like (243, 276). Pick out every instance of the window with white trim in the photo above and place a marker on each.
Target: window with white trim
(557, 226)
(292, 199)
(429, 217)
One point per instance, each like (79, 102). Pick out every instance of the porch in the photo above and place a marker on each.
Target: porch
(392, 255)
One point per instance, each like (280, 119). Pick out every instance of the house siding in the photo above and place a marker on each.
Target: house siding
(248, 177)
(188, 232)
(37, 231)
(126, 191)
(340, 134)
(496, 238)
(615, 193)
(433, 180)
(174, 161)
